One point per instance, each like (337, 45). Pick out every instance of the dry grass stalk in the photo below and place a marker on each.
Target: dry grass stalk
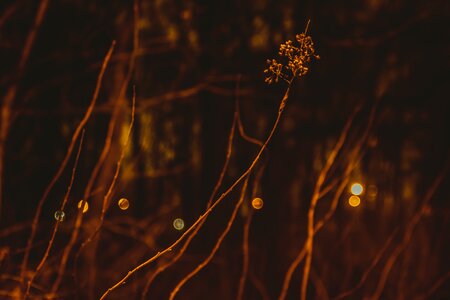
(246, 237)
(166, 265)
(241, 178)
(366, 273)
(57, 222)
(206, 261)
(218, 201)
(105, 150)
(10, 95)
(107, 197)
(236, 121)
(61, 168)
(315, 198)
(408, 234)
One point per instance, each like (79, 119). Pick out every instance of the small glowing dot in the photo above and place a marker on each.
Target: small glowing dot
(357, 189)
(60, 215)
(83, 204)
(123, 204)
(257, 203)
(354, 201)
(178, 224)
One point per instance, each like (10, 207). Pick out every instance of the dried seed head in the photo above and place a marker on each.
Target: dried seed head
(298, 57)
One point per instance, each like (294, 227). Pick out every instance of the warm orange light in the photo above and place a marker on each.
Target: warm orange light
(123, 204)
(354, 201)
(356, 189)
(257, 203)
(83, 204)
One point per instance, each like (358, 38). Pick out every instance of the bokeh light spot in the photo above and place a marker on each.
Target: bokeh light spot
(123, 204)
(257, 203)
(83, 204)
(178, 224)
(60, 215)
(354, 201)
(356, 189)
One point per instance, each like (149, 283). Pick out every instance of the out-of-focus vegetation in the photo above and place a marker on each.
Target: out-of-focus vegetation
(373, 110)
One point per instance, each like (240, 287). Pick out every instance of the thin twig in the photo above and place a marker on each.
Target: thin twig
(246, 238)
(17, 279)
(65, 161)
(218, 201)
(261, 288)
(8, 12)
(435, 286)
(321, 289)
(236, 120)
(407, 235)
(245, 256)
(105, 150)
(239, 119)
(166, 265)
(106, 198)
(206, 261)
(10, 95)
(311, 212)
(369, 269)
(57, 222)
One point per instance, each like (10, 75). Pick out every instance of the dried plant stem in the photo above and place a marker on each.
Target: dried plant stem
(218, 201)
(166, 265)
(116, 110)
(316, 196)
(407, 235)
(8, 12)
(308, 244)
(261, 288)
(318, 226)
(106, 198)
(320, 287)
(57, 222)
(206, 261)
(104, 153)
(369, 269)
(17, 279)
(66, 159)
(10, 95)
(245, 256)
(14, 229)
(66, 252)
(246, 238)
(237, 120)
(435, 286)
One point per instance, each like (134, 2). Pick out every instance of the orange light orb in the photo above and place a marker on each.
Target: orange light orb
(354, 201)
(257, 203)
(123, 204)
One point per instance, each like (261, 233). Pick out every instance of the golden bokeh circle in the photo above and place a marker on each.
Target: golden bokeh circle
(354, 201)
(257, 203)
(123, 204)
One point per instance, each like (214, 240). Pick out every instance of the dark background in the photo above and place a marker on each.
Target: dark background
(194, 59)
